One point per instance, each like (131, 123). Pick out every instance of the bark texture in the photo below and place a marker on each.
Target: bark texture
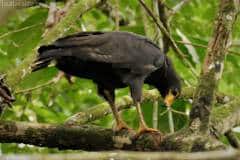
(213, 64)
(92, 138)
(85, 137)
(199, 135)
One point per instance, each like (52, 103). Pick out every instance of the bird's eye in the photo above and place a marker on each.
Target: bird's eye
(175, 93)
(159, 62)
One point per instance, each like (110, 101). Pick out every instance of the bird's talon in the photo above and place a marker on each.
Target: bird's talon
(122, 125)
(146, 130)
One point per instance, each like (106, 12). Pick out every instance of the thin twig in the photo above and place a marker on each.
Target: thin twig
(162, 13)
(158, 32)
(174, 111)
(155, 103)
(179, 112)
(173, 44)
(155, 115)
(164, 112)
(192, 44)
(117, 14)
(205, 46)
(170, 120)
(35, 88)
(175, 9)
(19, 30)
(50, 82)
(164, 18)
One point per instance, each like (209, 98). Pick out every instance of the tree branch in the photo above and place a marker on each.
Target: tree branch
(57, 136)
(15, 75)
(90, 138)
(213, 65)
(225, 117)
(164, 18)
(103, 109)
(125, 102)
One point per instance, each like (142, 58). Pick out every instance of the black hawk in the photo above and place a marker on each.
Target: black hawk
(114, 60)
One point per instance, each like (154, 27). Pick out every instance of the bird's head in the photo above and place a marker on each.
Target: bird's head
(171, 93)
(172, 86)
(166, 80)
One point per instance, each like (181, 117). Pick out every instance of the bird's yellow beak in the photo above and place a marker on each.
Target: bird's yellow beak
(169, 99)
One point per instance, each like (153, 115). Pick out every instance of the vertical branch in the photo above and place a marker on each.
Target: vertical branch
(158, 32)
(117, 15)
(155, 115)
(162, 14)
(172, 42)
(164, 18)
(170, 120)
(213, 64)
(51, 15)
(160, 44)
(147, 24)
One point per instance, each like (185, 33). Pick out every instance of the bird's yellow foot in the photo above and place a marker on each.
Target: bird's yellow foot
(122, 125)
(146, 129)
(142, 130)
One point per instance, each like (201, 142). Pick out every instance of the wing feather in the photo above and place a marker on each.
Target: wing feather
(121, 49)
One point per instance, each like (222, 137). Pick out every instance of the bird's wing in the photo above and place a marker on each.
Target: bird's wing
(118, 48)
(88, 46)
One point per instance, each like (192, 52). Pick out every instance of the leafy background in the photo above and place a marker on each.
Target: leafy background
(56, 102)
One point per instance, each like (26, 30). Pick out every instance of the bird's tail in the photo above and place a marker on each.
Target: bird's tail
(46, 54)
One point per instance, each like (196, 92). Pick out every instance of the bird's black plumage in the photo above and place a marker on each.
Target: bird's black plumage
(112, 60)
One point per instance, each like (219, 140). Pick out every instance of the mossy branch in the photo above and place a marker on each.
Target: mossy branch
(125, 102)
(225, 117)
(213, 64)
(15, 75)
(88, 137)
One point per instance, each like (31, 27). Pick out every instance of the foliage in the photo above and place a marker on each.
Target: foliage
(56, 102)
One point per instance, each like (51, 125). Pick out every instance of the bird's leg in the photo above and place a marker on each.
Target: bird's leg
(142, 124)
(120, 123)
(136, 93)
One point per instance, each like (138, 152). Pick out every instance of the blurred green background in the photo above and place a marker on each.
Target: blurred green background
(22, 31)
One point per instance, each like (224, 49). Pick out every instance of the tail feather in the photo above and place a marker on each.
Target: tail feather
(48, 53)
(39, 64)
(43, 58)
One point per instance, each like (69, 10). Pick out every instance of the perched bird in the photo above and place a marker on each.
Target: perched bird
(114, 60)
